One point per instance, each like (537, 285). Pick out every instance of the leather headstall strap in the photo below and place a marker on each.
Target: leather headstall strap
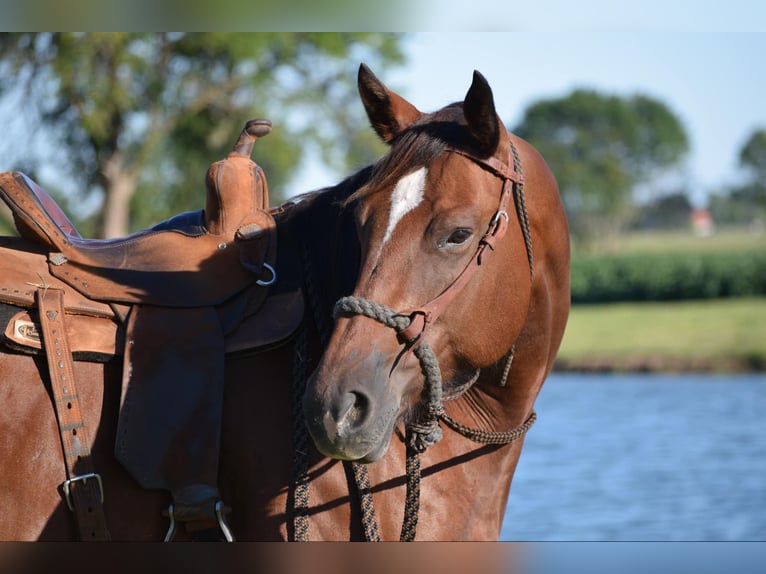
(422, 317)
(83, 489)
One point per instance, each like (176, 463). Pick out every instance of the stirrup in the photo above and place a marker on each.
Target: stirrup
(222, 525)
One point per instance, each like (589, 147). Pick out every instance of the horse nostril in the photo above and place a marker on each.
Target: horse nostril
(357, 407)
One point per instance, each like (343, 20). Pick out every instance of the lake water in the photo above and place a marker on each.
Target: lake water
(643, 457)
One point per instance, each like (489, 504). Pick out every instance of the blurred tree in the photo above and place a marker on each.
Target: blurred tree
(752, 156)
(601, 148)
(745, 203)
(142, 115)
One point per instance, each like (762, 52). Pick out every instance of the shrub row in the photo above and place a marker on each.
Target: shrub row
(668, 276)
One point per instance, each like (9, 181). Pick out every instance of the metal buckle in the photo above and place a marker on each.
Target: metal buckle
(84, 479)
(494, 224)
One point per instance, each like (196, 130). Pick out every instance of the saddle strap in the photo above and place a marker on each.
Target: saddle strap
(82, 489)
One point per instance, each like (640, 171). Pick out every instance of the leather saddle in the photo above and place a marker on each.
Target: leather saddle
(193, 259)
(196, 286)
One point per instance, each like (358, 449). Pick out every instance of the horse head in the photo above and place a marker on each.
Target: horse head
(445, 266)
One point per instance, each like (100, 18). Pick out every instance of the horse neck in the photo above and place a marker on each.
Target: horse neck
(535, 347)
(319, 232)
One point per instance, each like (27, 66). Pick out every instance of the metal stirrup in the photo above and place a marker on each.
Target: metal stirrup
(228, 536)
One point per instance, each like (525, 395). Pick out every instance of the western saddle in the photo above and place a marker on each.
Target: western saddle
(200, 284)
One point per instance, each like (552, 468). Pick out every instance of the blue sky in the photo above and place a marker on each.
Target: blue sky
(715, 82)
(588, 15)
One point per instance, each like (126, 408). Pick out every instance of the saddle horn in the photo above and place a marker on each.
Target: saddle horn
(253, 130)
(236, 186)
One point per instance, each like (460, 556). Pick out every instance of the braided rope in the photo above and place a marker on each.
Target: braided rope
(490, 437)
(412, 498)
(508, 363)
(521, 210)
(369, 519)
(300, 492)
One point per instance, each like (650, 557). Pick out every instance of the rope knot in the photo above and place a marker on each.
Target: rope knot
(424, 434)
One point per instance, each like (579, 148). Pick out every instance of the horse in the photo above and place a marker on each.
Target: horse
(429, 289)
(457, 313)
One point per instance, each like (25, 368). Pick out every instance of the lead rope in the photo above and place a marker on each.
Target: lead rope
(298, 503)
(301, 481)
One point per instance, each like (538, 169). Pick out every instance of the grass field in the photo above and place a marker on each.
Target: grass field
(712, 335)
(731, 240)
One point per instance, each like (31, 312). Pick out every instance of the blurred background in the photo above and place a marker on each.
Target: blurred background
(650, 426)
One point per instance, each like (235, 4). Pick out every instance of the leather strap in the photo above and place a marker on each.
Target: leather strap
(422, 317)
(83, 489)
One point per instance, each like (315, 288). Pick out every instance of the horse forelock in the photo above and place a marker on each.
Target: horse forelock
(418, 146)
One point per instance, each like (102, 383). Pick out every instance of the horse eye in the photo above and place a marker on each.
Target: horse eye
(458, 237)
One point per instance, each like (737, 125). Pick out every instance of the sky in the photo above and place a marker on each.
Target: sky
(705, 59)
(715, 82)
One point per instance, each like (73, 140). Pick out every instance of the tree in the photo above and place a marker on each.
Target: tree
(752, 156)
(142, 115)
(746, 203)
(601, 148)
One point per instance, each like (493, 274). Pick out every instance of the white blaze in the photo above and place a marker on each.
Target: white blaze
(406, 196)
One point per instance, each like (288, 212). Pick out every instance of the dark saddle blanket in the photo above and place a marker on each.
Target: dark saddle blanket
(196, 286)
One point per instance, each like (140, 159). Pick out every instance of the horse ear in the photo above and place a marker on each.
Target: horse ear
(389, 113)
(479, 110)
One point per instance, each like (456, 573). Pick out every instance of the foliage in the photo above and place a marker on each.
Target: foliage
(668, 276)
(601, 148)
(746, 203)
(151, 111)
(753, 154)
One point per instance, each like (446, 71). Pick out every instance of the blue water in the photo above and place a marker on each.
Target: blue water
(639, 457)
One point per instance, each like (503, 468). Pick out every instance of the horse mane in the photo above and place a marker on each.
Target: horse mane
(417, 146)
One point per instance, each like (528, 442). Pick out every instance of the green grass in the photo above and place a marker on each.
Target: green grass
(683, 241)
(712, 335)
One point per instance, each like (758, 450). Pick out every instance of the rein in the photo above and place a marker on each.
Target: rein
(411, 328)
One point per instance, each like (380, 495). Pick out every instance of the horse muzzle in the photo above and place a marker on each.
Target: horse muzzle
(350, 420)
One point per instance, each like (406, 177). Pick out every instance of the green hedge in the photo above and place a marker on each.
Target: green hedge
(668, 276)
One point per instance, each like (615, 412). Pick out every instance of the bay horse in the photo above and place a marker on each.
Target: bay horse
(335, 332)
